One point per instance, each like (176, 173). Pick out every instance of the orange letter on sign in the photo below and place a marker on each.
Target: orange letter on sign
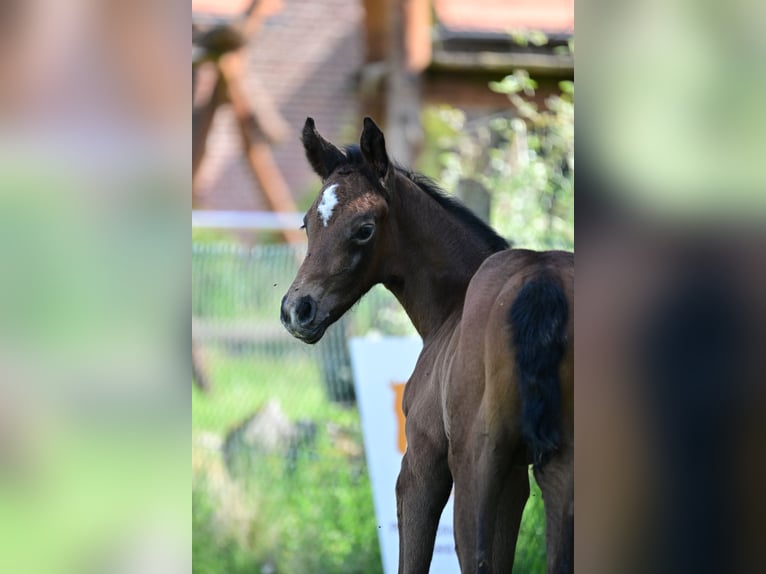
(401, 442)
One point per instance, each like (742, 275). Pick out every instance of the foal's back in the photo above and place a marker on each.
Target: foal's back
(486, 378)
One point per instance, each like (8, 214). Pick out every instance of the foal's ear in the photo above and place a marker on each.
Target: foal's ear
(373, 146)
(322, 155)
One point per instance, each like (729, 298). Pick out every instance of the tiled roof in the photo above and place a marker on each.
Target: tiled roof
(220, 7)
(552, 16)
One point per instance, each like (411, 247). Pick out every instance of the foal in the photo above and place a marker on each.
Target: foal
(492, 389)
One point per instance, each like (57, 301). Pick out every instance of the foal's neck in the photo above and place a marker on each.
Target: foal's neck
(434, 256)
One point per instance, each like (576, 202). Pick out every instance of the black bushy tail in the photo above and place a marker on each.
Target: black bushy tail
(538, 320)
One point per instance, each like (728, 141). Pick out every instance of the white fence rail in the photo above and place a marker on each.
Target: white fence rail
(247, 220)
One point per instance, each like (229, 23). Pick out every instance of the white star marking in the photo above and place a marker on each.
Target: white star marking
(328, 203)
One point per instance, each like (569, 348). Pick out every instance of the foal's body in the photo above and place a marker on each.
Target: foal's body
(463, 412)
(492, 388)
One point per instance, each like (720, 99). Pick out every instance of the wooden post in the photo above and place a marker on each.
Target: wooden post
(199, 370)
(475, 196)
(409, 51)
(202, 119)
(254, 109)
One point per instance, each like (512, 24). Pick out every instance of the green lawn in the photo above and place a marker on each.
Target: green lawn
(243, 384)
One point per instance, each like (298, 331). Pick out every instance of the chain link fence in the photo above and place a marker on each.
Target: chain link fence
(280, 480)
(236, 295)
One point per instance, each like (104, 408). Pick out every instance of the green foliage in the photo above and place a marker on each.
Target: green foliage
(243, 384)
(312, 514)
(315, 517)
(308, 513)
(524, 159)
(530, 547)
(214, 552)
(330, 526)
(525, 37)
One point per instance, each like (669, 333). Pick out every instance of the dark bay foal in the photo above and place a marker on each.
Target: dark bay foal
(493, 386)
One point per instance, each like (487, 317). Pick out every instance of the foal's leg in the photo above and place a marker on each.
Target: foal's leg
(556, 480)
(499, 523)
(465, 515)
(510, 507)
(502, 494)
(422, 490)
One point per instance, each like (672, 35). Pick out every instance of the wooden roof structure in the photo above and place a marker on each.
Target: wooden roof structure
(220, 31)
(338, 60)
(448, 50)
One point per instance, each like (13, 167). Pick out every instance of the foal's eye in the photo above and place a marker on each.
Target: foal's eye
(364, 233)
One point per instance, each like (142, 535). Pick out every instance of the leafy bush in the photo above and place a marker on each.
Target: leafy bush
(315, 519)
(330, 526)
(312, 516)
(215, 552)
(524, 159)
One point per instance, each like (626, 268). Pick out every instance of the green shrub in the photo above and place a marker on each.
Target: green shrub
(314, 516)
(524, 158)
(213, 551)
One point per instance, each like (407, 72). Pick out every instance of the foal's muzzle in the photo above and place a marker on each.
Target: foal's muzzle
(299, 318)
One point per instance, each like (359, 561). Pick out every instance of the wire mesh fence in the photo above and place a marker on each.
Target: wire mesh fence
(236, 294)
(280, 480)
(281, 483)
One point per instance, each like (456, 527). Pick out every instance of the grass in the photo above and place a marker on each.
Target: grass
(315, 516)
(243, 384)
(530, 547)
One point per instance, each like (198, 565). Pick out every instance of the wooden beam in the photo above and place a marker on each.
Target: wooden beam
(376, 28)
(258, 11)
(202, 119)
(257, 144)
(260, 122)
(417, 35)
(503, 62)
(253, 108)
(403, 132)
(271, 182)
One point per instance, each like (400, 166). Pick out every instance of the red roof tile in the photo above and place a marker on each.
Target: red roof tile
(552, 16)
(220, 7)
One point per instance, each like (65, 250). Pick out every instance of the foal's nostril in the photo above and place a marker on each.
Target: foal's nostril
(283, 313)
(305, 311)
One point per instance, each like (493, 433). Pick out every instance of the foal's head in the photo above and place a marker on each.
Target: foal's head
(346, 229)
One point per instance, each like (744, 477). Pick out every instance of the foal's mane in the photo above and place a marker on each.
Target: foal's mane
(453, 207)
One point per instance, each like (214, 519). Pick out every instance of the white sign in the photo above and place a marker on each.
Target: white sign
(381, 367)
